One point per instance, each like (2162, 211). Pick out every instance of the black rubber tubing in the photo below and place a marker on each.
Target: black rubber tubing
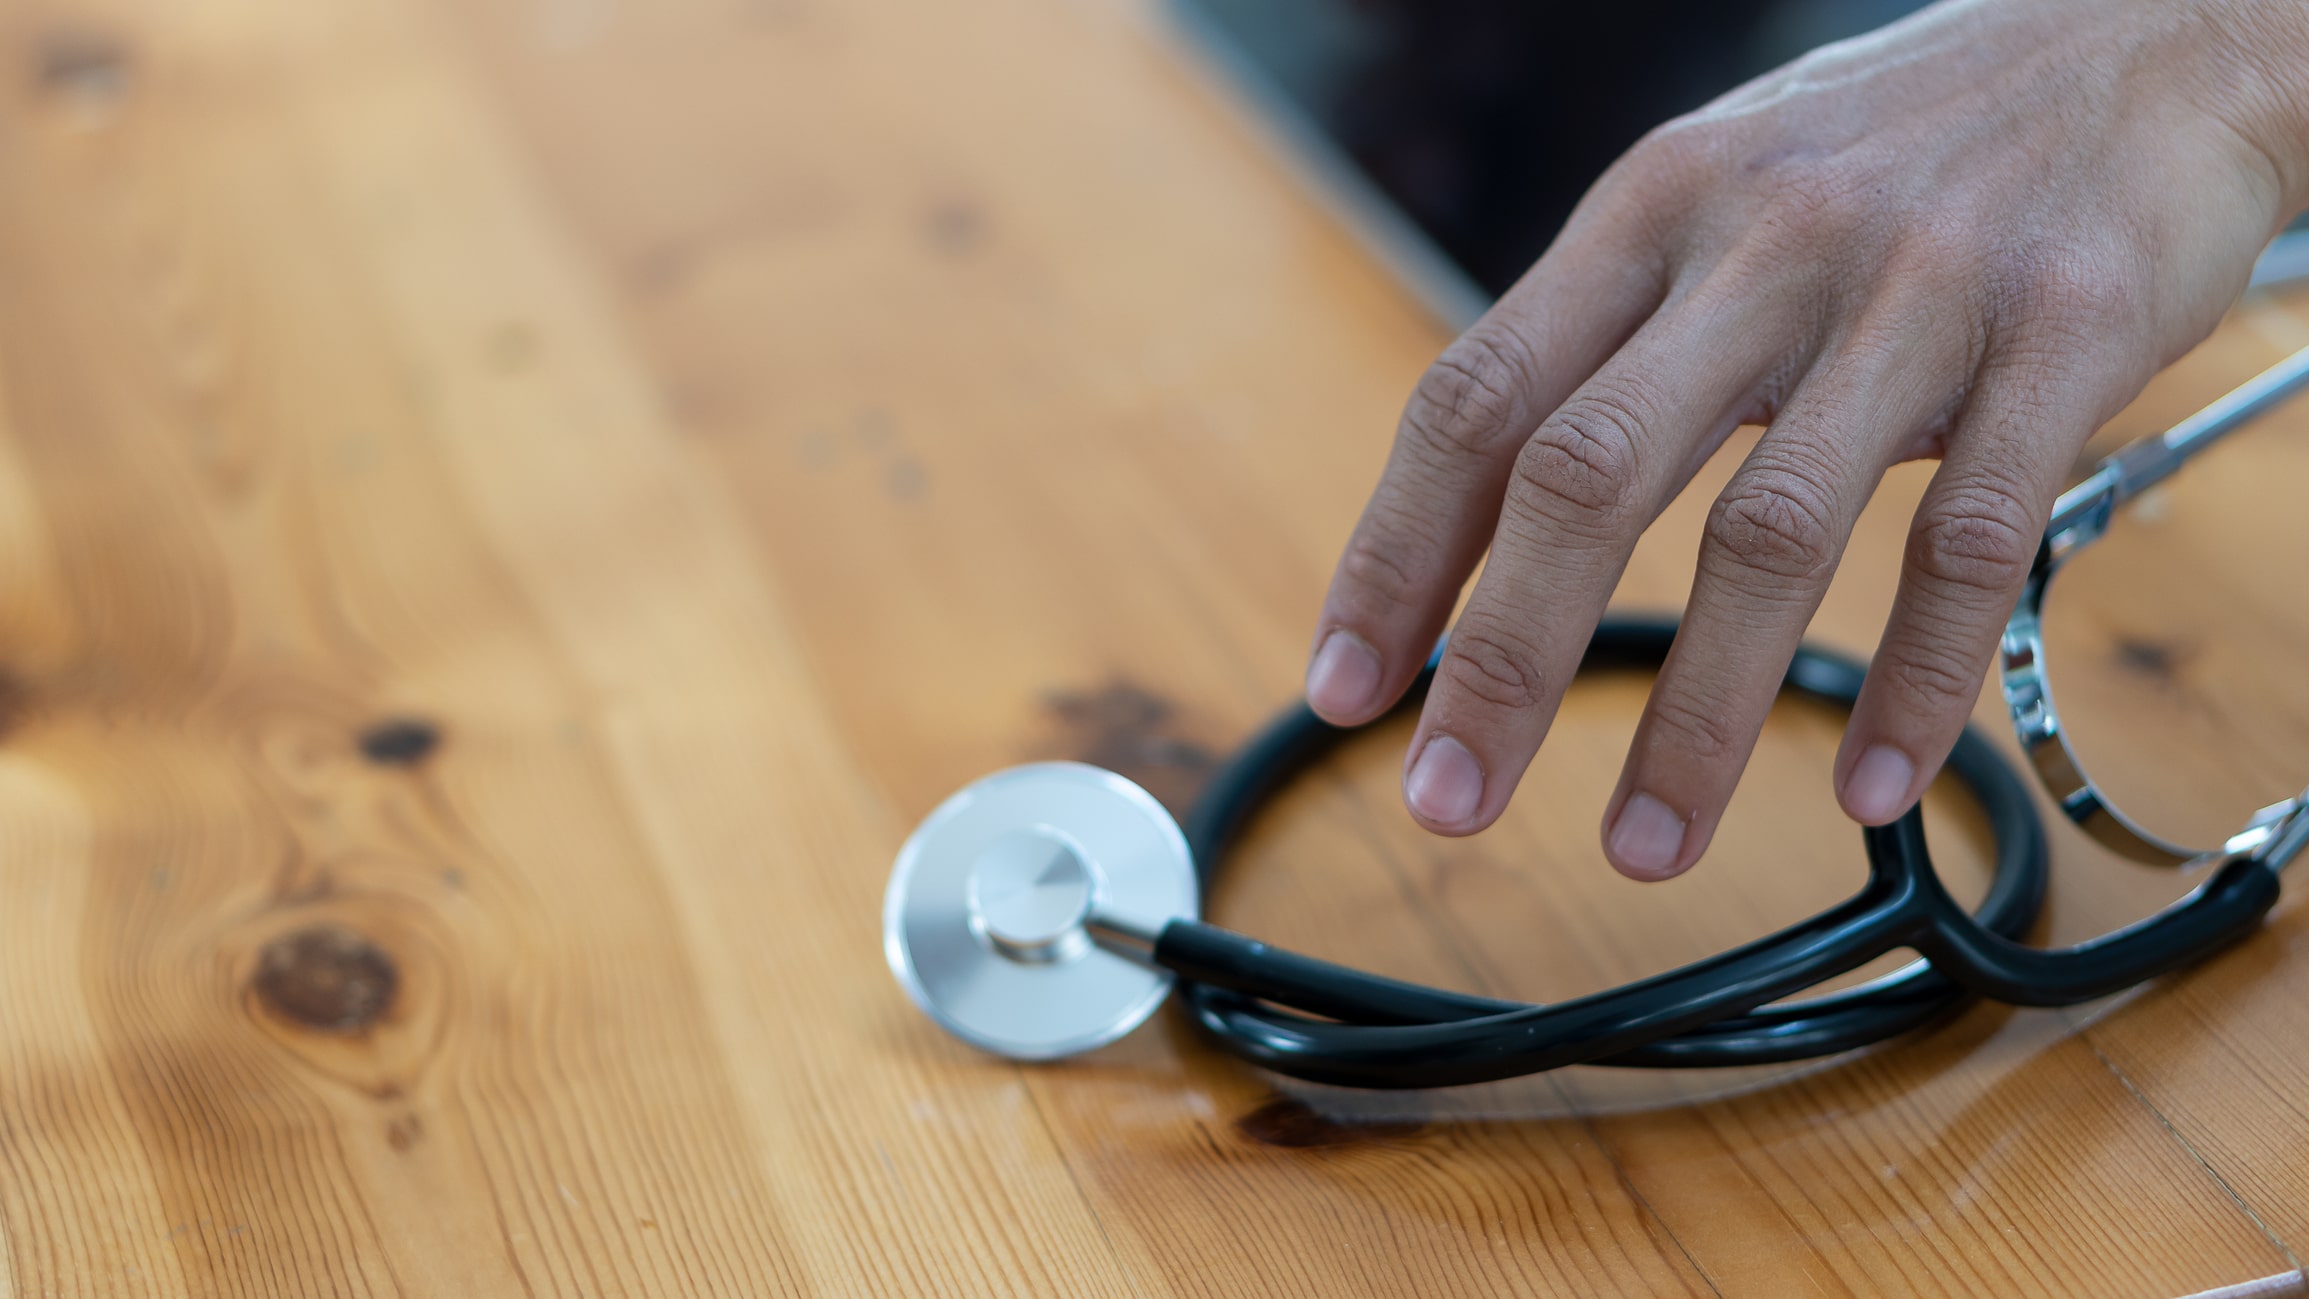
(1385, 1033)
(1710, 1014)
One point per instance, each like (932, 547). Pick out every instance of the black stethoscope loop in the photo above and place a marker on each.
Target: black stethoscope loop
(1327, 1023)
(1381, 1032)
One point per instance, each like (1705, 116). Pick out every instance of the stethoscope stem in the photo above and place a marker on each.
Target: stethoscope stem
(2082, 512)
(1124, 936)
(2217, 913)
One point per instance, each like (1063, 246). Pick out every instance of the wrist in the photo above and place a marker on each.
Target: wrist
(2260, 86)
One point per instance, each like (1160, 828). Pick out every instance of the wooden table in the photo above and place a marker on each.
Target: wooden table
(509, 509)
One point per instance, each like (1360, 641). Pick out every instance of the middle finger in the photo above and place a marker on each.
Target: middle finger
(1583, 489)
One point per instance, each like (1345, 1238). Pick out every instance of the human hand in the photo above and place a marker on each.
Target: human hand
(1973, 235)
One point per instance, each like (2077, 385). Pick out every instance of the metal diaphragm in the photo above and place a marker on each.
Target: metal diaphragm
(993, 902)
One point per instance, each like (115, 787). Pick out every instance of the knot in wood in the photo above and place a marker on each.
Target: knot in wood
(1292, 1124)
(327, 978)
(400, 741)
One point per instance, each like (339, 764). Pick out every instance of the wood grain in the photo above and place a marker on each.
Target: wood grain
(509, 510)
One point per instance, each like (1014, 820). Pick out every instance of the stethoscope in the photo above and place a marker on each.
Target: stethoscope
(1048, 909)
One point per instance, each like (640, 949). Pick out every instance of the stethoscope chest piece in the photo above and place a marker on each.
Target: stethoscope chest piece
(1011, 907)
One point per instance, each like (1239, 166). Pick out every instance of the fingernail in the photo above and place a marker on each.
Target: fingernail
(1647, 838)
(1344, 676)
(1445, 784)
(1877, 789)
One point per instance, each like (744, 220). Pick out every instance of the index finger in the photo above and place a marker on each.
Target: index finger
(1431, 516)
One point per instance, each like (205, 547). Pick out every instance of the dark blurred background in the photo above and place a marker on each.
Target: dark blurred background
(1483, 121)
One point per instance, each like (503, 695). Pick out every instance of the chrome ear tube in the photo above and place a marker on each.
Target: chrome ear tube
(2079, 518)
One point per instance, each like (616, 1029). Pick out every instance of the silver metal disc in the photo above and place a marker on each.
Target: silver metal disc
(984, 920)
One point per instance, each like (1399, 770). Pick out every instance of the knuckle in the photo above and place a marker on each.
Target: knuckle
(2091, 299)
(1775, 523)
(1974, 539)
(1467, 401)
(1928, 680)
(1700, 731)
(1659, 190)
(1936, 245)
(1674, 154)
(1378, 572)
(1495, 666)
(1814, 204)
(1581, 467)
(2084, 293)
(1933, 272)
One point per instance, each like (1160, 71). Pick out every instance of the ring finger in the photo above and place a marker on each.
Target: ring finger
(1772, 543)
